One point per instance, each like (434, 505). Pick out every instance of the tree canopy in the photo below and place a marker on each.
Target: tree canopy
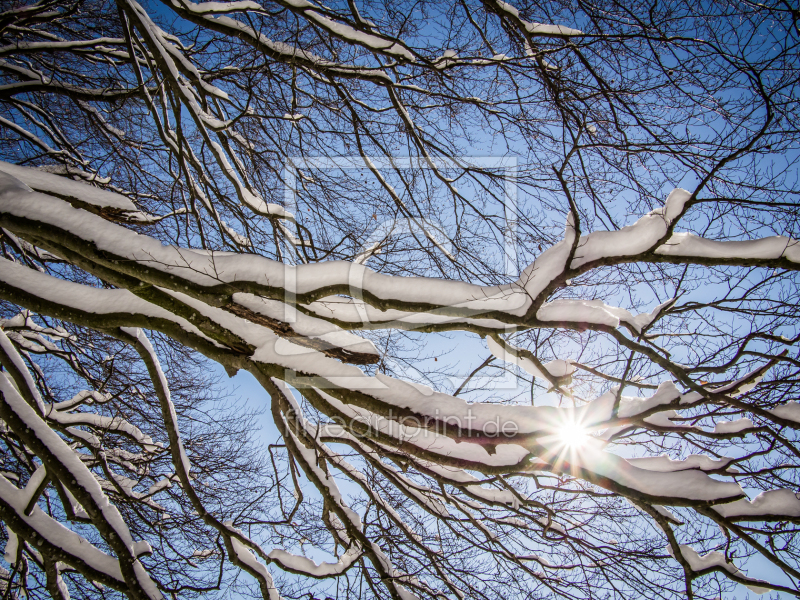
(519, 284)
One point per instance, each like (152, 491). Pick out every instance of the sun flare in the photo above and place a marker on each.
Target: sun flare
(573, 435)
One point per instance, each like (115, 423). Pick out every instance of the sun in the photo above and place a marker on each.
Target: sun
(573, 435)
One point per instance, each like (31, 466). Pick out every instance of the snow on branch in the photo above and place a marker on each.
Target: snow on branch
(442, 300)
(62, 462)
(348, 385)
(509, 11)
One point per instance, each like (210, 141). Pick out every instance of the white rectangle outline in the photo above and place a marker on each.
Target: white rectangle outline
(508, 164)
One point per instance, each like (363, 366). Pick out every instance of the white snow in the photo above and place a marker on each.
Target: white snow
(660, 477)
(12, 545)
(536, 28)
(733, 426)
(82, 479)
(57, 534)
(558, 369)
(665, 464)
(305, 325)
(789, 411)
(550, 263)
(633, 239)
(48, 183)
(246, 556)
(717, 559)
(84, 298)
(667, 514)
(8, 349)
(772, 503)
(301, 564)
(374, 42)
(690, 245)
(173, 424)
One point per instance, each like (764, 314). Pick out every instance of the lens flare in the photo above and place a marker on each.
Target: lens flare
(573, 435)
